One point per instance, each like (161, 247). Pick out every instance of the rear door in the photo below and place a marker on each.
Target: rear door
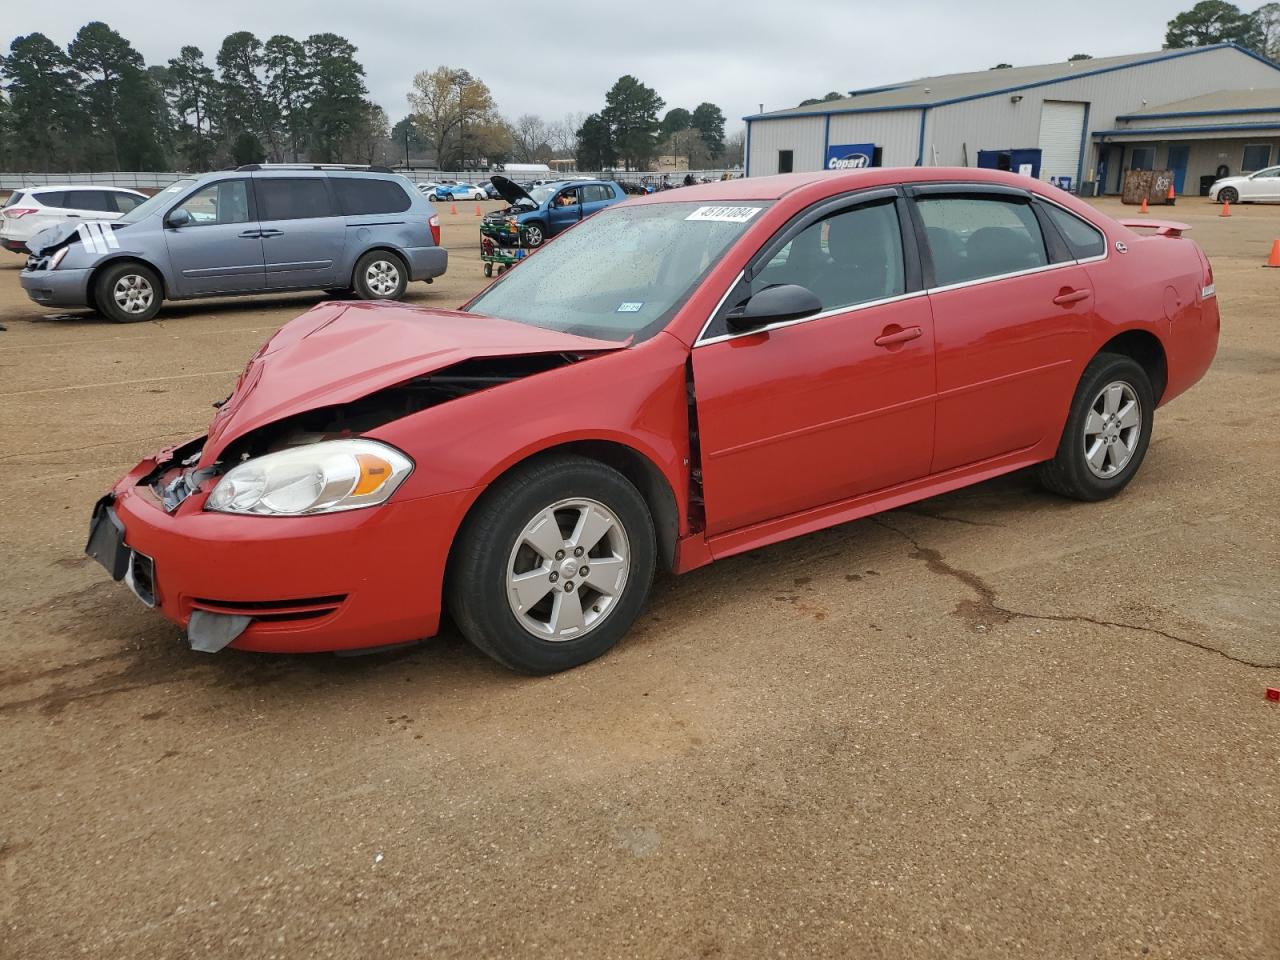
(218, 250)
(595, 197)
(1011, 317)
(809, 412)
(303, 233)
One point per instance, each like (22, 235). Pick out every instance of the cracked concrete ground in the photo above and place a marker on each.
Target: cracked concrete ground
(992, 723)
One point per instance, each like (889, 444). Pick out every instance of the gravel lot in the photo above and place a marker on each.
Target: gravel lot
(992, 723)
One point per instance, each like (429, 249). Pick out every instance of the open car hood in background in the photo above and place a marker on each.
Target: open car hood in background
(512, 192)
(339, 352)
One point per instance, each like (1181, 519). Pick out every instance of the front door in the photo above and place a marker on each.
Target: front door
(1009, 324)
(565, 210)
(303, 233)
(1178, 155)
(217, 250)
(822, 409)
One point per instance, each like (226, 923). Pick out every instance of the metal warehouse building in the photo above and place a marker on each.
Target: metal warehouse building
(1192, 111)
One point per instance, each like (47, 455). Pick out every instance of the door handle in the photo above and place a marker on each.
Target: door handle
(270, 233)
(891, 336)
(1068, 297)
(251, 234)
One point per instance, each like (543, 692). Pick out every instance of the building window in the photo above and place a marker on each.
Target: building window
(1142, 158)
(785, 162)
(1256, 156)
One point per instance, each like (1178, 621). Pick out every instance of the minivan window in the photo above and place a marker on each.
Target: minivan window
(974, 237)
(292, 199)
(359, 196)
(851, 257)
(226, 201)
(1083, 239)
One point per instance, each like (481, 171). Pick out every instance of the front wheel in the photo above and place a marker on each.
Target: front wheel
(535, 234)
(128, 293)
(381, 275)
(553, 566)
(1107, 432)
(1229, 195)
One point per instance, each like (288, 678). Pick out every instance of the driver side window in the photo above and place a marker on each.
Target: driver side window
(848, 258)
(567, 198)
(226, 201)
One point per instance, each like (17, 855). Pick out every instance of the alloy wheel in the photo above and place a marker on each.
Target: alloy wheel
(1112, 429)
(382, 278)
(568, 569)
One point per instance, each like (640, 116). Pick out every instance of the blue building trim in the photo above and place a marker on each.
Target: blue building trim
(826, 139)
(924, 116)
(746, 154)
(1169, 55)
(1232, 112)
(1206, 128)
(1084, 145)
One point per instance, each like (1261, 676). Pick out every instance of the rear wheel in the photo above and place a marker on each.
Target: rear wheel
(1229, 195)
(381, 275)
(1107, 433)
(128, 293)
(553, 566)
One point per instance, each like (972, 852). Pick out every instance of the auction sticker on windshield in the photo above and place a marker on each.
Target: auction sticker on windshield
(724, 214)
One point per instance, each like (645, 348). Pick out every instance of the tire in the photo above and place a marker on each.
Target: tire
(1229, 195)
(1098, 422)
(128, 293)
(535, 234)
(380, 275)
(479, 196)
(488, 269)
(556, 621)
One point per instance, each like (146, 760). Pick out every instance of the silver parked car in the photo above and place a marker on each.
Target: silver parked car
(257, 229)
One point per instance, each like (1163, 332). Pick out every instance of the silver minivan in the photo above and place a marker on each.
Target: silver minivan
(257, 229)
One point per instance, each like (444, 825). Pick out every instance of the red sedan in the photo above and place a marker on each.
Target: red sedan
(677, 379)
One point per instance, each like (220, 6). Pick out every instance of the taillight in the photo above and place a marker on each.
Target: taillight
(435, 229)
(1207, 288)
(17, 213)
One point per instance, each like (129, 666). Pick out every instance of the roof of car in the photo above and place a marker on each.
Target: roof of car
(82, 186)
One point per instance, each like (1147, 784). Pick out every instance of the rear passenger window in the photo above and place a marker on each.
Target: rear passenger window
(284, 199)
(1084, 240)
(849, 258)
(357, 196)
(595, 192)
(971, 238)
(99, 200)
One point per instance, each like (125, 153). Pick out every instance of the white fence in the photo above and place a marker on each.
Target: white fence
(155, 180)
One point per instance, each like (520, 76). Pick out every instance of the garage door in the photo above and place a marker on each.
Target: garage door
(1061, 127)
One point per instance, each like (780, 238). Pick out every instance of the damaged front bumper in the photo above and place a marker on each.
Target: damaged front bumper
(57, 288)
(326, 582)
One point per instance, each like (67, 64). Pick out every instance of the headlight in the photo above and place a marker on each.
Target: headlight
(321, 477)
(58, 257)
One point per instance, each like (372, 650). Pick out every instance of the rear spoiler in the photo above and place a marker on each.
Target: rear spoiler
(1163, 228)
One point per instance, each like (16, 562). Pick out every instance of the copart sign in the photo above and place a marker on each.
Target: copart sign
(850, 156)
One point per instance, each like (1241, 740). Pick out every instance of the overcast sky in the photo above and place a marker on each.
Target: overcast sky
(562, 56)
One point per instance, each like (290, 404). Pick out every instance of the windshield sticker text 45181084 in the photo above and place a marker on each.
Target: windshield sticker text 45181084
(724, 214)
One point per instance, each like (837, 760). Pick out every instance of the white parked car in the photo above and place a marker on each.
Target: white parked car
(1248, 187)
(32, 209)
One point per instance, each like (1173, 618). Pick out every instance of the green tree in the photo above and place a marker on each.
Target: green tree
(708, 120)
(336, 97)
(1212, 21)
(193, 94)
(1079, 56)
(126, 113)
(1267, 20)
(631, 110)
(456, 116)
(7, 140)
(245, 105)
(827, 99)
(595, 150)
(289, 83)
(405, 139)
(1003, 66)
(677, 120)
(46, 116)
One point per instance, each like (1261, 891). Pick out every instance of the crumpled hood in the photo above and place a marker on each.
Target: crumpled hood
(60, 234)
(340, 352)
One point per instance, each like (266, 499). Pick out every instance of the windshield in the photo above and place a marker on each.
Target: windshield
(161, 199)
(540, 194)
(620, 274)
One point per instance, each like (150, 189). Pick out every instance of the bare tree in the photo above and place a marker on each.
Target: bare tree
(531, 135)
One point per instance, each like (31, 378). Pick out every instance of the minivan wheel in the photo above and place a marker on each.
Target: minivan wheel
(553, 566)
(1107, 433)
(381, 275)
(128, 293)
(534, 234)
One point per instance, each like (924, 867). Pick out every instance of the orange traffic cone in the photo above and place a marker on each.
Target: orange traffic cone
(1274, 259)
(1226, 209)
(1172, 198)
(478, 213)
(453, 209)
(1143, 208)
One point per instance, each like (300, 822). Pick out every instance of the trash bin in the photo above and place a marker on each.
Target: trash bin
(1205, 184)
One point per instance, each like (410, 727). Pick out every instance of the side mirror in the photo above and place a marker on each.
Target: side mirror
(782, 301)
(179, 218)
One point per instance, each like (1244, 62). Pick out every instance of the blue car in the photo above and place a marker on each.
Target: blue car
(262, 228)
(543, 211)
(460, 191)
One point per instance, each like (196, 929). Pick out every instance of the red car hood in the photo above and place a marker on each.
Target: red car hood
(339, 352)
